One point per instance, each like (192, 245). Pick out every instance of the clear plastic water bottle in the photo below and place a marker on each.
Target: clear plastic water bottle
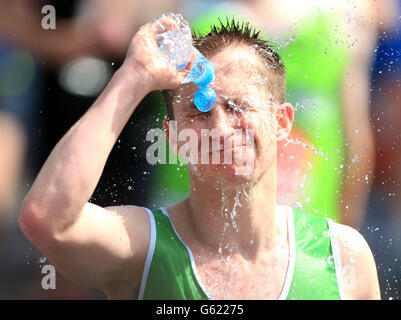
(173, 38)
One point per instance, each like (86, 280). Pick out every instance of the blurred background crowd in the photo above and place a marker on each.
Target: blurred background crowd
(342, 161)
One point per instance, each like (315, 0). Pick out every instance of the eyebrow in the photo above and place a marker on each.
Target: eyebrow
(189, 106)
(228, 100)
(234, 101)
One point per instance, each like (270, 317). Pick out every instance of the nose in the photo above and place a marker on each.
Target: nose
(223, 120)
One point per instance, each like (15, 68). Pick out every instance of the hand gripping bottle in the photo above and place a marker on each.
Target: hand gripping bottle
(173, 38)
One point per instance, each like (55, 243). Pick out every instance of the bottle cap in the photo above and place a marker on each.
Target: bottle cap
(205, 99)
(206, 76)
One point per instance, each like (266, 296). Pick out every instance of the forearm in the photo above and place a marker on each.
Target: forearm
(71, 173)
(55, 47)
(359, 167)
(357, 182)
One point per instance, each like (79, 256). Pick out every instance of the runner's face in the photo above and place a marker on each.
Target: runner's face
(244, 112)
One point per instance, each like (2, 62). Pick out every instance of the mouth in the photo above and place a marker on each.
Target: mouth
(237, 155)
(228, 149)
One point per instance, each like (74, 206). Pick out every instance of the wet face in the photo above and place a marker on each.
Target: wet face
(241, 130)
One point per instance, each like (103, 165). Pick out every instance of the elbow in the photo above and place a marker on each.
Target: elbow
(31, 221)
(41, 220)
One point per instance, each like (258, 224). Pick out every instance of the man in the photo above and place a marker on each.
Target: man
(228, 239)
(326, 47)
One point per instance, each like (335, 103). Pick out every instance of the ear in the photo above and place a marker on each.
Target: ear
(165, 127)
(285, 119)
(170, 129)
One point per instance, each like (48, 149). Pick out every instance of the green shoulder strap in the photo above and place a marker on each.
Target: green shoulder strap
(314, 275)
(171, 275)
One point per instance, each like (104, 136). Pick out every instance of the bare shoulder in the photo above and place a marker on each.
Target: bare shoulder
(131, 240)
(135, 221)
(359, 275)
(130, 213)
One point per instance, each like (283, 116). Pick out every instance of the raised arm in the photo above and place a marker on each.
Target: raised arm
(104, 28)
(370, 17)
(96, 247)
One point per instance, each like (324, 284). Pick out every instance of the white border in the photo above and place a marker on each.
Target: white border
(292, 253)
(336, 256)
(149, 256)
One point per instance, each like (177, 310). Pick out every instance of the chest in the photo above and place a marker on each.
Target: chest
(232, 278)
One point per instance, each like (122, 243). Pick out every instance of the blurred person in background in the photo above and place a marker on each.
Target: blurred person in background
(48, 79)
(20, 78)
(326, 166)
(382, 227)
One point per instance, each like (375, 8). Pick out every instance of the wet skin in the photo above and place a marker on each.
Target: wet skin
(229, 220)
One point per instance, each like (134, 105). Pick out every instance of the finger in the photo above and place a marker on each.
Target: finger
(189, 65)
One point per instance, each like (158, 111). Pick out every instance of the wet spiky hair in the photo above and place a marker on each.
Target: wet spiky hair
(233, 34)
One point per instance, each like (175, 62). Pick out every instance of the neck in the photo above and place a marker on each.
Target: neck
(240, 218)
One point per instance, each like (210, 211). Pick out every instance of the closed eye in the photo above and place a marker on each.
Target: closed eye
(239, 107)
(194, 113)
